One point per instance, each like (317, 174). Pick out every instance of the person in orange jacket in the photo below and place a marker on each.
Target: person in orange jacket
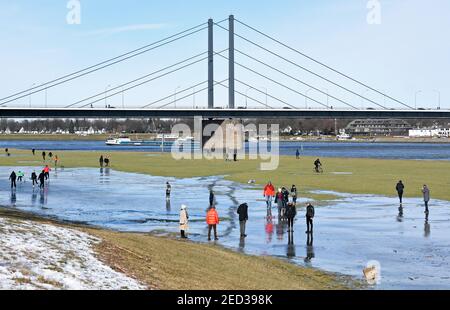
(212, 219)
(47, 172)
(269, 193)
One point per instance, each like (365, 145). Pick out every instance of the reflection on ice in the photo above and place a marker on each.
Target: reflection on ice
(349, 231)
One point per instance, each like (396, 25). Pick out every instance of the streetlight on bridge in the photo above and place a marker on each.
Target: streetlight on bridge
(265, 89)
(106, 92)
(246, 97)
(415, 98)
(439, 98)
(29, 99)
(175, 96)
(362, 97)
(306, 98)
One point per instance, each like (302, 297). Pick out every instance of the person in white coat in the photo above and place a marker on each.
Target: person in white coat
(184, 218)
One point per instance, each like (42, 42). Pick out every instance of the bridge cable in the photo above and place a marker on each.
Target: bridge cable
(171, 95)
(31, 92)
(323, 64)
(298, 80)
(150, 80)
(260, 91)
(189, 95)
(276, 82)
(140, 78)
(301, 67)
(251, 98)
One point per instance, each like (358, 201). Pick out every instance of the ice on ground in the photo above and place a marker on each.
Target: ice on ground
(42, 256)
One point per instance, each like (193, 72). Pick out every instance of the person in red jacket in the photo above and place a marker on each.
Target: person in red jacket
(212, 219)
(269, 193)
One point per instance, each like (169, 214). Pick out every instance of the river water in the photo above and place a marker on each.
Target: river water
(418, 151)
(413, 250)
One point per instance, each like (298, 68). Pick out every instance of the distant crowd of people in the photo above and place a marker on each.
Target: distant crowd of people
(104, 161)
(400, 188)
(43, 176)
(287, 211)
(36, 179)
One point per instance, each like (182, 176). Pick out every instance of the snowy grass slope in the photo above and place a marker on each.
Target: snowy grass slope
(42, 256)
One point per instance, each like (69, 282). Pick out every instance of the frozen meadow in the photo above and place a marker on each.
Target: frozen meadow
(42, 256)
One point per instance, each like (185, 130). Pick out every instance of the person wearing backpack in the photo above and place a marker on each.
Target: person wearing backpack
(309, 218)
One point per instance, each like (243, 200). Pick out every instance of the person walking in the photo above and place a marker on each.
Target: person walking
(294, 194)
(184, 218)
(34, 178)
(291, 212)
(13, 178)
(212, 219)
(106, 161)
(20, 176)
(279, 201)
(56, 160)
(309, 218)
(211, 198)
(243, 218)
(33, 151)
(100, 160)
(285, 196)
(46, 172)
(297, 154)
(168, 190)
(269, 193)
(400, 187)
(426, 197)
(42, 179)
(50, 155)
(43, 155)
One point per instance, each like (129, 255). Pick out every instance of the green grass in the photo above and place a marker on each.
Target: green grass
(370, 176)
(167, 263)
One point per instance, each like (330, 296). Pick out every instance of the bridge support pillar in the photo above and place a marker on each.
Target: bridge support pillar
(210, 64)
(231, 93)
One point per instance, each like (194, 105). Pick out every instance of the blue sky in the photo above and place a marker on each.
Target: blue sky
(406, 53)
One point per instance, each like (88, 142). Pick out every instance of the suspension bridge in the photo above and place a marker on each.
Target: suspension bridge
(336, 105)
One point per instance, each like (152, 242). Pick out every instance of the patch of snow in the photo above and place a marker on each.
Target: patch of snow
(42, 256)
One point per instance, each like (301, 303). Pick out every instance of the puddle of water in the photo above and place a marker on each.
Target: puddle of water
(350, 231)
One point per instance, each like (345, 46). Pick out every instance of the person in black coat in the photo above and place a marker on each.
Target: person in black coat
(294, 194)
(309, 218)
(400, 188)
(34, 178)
(42, 179)
(243, 218)
(13, 178)
(291, 212)
(211, 198)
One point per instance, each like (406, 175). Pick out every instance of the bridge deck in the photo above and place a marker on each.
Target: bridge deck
(219, 113)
